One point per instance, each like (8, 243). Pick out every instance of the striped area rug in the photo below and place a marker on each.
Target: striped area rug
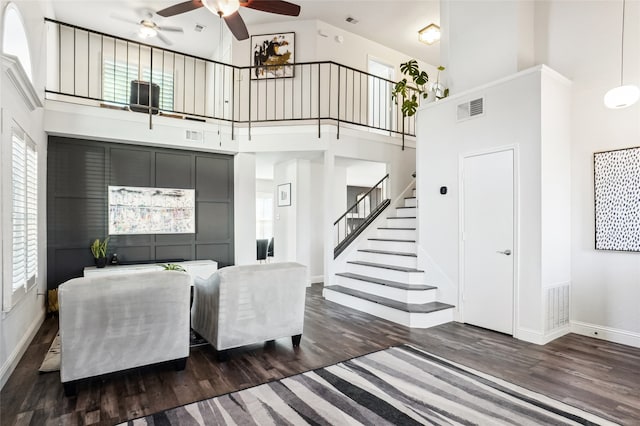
(396, 386)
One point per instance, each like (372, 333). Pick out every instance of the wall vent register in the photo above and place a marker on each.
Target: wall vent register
(473, 108)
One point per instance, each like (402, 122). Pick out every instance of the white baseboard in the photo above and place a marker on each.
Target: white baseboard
(20, 349)
(540, 338)
(316, 279)
(606, 333)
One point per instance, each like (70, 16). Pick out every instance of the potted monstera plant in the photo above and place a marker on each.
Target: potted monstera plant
(410, 92)
(99, 251)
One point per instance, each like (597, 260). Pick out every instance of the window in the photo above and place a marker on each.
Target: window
(116, 83)
(24, 216)
(381, 107)
(264, 215)
(14, 40)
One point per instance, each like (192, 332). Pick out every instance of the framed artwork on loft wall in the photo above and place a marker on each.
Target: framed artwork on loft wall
(273, 56)
(617, 199)
(284, 195)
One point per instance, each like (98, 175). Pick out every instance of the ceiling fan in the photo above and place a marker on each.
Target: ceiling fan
(228, 10)
(147, 28)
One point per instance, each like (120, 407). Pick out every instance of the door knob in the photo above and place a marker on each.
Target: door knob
(507, 252)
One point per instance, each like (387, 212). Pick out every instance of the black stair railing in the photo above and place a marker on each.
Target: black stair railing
(97, 69)
(357, 217)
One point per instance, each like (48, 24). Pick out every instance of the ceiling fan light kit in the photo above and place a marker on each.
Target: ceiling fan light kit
(147, 29)
(222, 7)
(228, 10)
(624, 95)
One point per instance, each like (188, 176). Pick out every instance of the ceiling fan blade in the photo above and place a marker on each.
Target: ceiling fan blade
(170, 29)
(179, 8)
(279, 7)
(163, 39)
(236, 26)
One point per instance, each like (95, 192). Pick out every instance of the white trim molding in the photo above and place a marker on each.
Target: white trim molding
(610, 334)
(16, 74)
(12, 361)
(316, 279)
(539, 337)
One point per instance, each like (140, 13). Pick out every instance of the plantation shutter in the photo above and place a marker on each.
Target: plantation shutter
(116, 84)
(117, 81)
(24, 211)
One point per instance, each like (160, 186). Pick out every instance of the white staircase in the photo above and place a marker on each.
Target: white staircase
(382, 277)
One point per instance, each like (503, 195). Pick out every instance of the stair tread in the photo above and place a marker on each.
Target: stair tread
(407, 207)
(409, 198)
(401, 217)
(387, 283)
(396, 240)
(395, 253)
(380, 265)
(419, 308)
(400, 229)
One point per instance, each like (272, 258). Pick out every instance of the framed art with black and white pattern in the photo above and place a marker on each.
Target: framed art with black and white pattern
(617, 199)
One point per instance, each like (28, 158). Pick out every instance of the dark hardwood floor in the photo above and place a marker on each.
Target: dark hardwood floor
(597, 376)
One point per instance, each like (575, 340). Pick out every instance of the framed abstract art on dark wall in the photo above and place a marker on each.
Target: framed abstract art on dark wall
(617, 199)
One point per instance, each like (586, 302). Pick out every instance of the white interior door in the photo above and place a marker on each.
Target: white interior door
(488, 243)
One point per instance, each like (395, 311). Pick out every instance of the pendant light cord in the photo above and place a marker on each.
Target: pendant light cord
(622, 48)
(220, 43)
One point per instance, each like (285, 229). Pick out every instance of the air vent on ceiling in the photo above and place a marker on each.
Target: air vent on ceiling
(470, 109)
(194, 136)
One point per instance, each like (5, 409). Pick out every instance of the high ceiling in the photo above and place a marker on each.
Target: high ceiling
(393, 23)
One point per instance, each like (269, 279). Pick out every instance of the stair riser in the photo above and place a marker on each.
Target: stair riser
(387, 274)
(392, 246)
(388, 259)
(398, 234)
(414, 193)
(400, 295)
(417, 320)
(402, 223)
(413, 212)
(410, 202)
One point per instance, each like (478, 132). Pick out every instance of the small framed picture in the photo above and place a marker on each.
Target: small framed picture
(284, 195)
(272, 55)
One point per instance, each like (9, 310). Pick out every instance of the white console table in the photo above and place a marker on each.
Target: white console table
(195, 268)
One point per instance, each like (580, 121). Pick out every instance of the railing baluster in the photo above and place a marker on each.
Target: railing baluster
(368, 102)
(319, 103)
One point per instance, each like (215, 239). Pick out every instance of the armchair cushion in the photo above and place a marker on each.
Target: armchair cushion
(242, 305)
(116, 322)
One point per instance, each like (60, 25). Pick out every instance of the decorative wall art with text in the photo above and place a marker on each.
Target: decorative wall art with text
(617, 199)
(272, 55)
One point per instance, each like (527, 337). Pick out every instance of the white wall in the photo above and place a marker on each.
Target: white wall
(515, 111)
(339, 186)
(291, 231)
(354, 51)
(606, 285)
(19, 325)
(483, 41)
(316, 254)
(244, 206)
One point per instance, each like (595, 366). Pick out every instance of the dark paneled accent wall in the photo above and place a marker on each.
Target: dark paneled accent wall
(78, 174)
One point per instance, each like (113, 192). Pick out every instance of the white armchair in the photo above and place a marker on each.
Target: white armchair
(116, 322)
(242, 305)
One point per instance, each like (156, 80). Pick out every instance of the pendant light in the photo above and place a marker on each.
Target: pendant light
(623, 95)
